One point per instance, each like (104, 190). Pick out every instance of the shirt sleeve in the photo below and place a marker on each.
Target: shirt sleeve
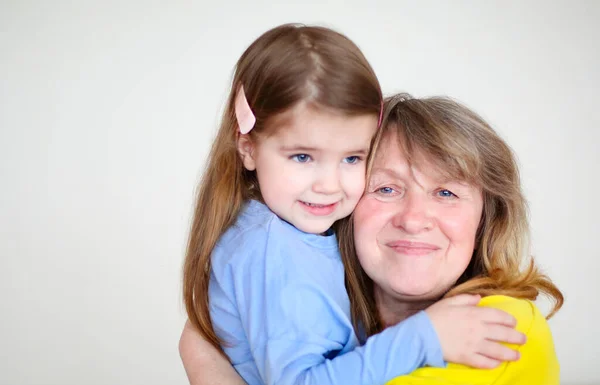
(399, 349)
(294, 311)
(538, 364)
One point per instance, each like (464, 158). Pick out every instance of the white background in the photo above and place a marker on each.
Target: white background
(108, 108)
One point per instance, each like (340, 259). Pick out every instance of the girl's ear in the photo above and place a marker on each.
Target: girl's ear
(246, 149)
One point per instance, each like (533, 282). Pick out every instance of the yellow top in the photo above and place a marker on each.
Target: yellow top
(538, 364)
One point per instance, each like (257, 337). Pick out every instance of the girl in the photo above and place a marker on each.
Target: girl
(263, 266)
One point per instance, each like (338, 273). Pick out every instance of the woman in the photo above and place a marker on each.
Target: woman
(443, 214)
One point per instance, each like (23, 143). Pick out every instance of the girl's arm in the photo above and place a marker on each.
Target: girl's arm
(283, 309)
(306, 327)
(538, 364)
(203, 363)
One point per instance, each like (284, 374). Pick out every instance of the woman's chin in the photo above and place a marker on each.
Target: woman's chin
(415, 291)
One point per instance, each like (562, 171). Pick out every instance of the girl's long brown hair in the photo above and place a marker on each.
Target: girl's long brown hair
(465, 147)
(286, 65)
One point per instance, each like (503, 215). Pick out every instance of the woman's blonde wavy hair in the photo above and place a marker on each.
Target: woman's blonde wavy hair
(466, 148)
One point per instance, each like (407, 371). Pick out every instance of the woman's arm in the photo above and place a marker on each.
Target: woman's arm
(538, 364)
(203, 363)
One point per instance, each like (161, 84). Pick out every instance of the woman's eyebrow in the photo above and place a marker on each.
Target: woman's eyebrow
(451, 180)
(361, 151)
(382, 172)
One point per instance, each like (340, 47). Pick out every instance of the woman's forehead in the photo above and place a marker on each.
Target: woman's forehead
(391, 168)
(392, 159)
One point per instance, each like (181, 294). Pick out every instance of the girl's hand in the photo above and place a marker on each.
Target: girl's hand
(473, 335)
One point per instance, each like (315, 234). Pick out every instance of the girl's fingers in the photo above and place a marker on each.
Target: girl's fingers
(501, 333)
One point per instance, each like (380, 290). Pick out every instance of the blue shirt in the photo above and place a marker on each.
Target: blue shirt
(277, 298)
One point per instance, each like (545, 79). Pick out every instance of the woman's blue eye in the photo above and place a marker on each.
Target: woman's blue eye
(385, 190)
(446, 193)
(351, 159)
(300, 158)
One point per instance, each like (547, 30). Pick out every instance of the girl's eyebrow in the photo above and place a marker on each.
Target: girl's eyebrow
(300, 148)
(362, 151)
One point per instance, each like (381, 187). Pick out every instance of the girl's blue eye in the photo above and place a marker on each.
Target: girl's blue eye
(300, 158)
(446, 193)
(351, 159)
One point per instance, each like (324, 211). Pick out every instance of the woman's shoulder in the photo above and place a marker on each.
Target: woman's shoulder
(538, 364)
(524, 310)
(530, 319)
(538, 354)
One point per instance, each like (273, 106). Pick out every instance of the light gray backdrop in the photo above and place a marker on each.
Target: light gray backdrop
(108, 108)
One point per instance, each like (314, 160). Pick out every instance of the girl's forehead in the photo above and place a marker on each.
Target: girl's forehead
(303, 112)
(324, 129)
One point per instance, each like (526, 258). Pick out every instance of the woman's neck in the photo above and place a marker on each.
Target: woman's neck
(393, 310)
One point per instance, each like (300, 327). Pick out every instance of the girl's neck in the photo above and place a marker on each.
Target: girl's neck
(393, 310)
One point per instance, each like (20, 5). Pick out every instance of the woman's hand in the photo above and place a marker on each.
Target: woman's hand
(203, 363)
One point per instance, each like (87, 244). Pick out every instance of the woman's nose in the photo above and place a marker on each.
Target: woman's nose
(413, 215)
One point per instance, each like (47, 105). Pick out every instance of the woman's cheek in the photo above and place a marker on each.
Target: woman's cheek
(370, 218)
(367, 207)
(460, 225)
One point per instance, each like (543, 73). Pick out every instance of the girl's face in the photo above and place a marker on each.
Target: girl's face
(311, 171)
(414, 230)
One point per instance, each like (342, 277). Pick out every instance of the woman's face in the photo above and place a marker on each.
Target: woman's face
(414, 230)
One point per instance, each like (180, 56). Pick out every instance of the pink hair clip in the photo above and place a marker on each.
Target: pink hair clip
(243, 113)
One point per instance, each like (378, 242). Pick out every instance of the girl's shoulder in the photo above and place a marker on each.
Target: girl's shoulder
(257, 222)
(249, 232)
(254, 214)
(258, 233)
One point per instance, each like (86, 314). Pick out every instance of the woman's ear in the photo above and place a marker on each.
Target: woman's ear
(246, 149)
